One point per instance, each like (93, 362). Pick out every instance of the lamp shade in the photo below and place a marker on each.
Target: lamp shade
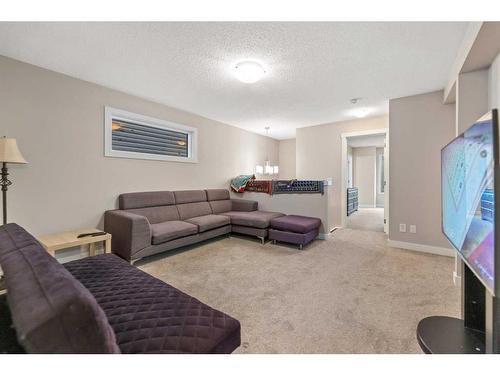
(9, 152)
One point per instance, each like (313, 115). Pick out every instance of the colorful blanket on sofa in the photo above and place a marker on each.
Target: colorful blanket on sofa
(239, 183)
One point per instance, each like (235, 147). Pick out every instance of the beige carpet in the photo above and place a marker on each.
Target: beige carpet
(367, 219)
(348, 294)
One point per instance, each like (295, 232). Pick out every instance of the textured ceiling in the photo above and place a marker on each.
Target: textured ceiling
(313, 69)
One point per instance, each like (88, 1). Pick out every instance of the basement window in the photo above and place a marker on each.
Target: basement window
(134, 136)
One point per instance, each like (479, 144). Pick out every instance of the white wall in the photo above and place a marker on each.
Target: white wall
(287, 159)
(420, 126)
(364, 171)
(68, 183)
(319, 154)
(380, 196)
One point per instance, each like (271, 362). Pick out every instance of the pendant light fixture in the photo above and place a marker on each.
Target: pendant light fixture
(267, 168)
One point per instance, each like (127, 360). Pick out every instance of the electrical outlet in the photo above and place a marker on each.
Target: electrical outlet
(413, 228)
(402, 227)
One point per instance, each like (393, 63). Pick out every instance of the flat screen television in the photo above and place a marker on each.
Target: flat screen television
(469, 166)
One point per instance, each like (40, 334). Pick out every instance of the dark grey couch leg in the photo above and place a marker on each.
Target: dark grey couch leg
(301, 247)
(262, 240)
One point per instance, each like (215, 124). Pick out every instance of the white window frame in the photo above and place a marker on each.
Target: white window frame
(111, 114)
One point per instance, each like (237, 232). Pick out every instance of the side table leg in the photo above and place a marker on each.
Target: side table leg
(107, 247)
(92, 249)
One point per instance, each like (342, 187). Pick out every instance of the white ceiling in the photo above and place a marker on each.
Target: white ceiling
(372, 140)
(313, 69)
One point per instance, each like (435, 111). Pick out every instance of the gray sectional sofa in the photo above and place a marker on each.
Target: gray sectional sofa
(149, 223)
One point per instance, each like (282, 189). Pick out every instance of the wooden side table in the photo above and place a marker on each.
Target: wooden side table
(65, 240)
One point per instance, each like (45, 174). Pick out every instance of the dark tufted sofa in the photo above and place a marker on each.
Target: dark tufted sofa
(100, 304)
(148, 223)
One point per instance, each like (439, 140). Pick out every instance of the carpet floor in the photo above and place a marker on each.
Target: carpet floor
(367, 219)
(350, 293)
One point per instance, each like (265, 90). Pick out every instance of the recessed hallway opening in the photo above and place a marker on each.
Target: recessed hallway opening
(371, 219)
(365, 179)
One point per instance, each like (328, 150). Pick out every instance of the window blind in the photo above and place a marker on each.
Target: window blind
(132, 137)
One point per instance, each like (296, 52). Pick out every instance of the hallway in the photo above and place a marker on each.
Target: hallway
(371, 219)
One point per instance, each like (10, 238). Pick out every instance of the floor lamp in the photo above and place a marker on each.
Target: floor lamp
(9, 153)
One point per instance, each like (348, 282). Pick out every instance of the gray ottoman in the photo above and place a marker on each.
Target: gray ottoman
(295, 229)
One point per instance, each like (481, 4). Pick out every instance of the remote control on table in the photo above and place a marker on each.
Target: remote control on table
(92, 234)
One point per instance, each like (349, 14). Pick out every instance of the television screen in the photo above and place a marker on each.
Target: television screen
(468, 190)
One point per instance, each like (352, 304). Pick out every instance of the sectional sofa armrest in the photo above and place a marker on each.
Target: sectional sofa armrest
(244, 205)
(130, 232)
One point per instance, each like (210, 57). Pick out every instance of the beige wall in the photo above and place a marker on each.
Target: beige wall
(494, 84)
(472, 98)
(364, 171)
(420, 126)
(287, 158)
(68, 183)
(319, 154)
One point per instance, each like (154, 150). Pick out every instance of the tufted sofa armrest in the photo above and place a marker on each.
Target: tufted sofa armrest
(130, 232)
(244, 205)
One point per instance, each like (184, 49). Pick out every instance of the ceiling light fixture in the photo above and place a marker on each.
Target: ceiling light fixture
(267, 168)
(249, 71)
(361, 112)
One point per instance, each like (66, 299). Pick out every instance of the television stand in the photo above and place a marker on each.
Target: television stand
(446, 335)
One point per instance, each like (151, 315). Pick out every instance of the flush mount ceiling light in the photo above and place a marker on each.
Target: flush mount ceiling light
(249, 71)
(361, 112)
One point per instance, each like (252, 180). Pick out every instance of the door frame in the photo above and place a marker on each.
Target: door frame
(343, 180)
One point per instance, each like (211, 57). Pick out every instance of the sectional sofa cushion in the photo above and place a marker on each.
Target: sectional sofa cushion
(221, 206)
(190, 196)
(145, 199)
(244, 205)
(256, 219)
(157, 214)
(189, 210)
(219, 200)
(170, 230)
(217, 194)
(149, 316)
(208, 222)
(52, 312)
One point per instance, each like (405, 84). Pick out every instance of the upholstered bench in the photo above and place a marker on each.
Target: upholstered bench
(100, 304)
(295, 229)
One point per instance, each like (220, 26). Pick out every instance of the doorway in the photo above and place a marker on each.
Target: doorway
(365, 193)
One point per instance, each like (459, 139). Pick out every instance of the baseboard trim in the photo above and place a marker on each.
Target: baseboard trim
(422, 248)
